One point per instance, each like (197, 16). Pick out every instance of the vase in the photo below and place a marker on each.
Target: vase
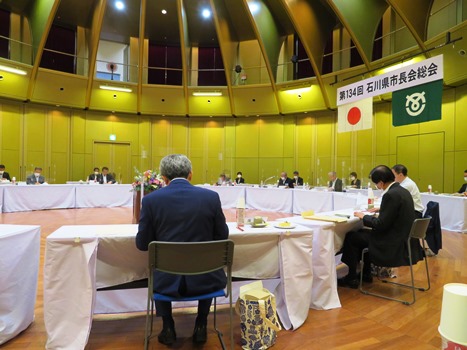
(136, 206)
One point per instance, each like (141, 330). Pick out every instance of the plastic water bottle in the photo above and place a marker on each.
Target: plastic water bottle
(429, 188)
(241, 212)
(371, 198)
(13, 180)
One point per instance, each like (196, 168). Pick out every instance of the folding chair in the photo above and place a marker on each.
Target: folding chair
(418, 231)
(189, 258)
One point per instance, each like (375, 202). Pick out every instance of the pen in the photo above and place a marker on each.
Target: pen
(238, 227)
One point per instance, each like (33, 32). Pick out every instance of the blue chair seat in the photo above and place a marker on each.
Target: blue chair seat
(162, 297)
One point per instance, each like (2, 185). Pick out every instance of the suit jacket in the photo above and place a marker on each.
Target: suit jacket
(93, 177)
(337, 185)
(390, 230)
(357, 183)
(239, 180)
(181, 212)
(31, 179)
(109, 178)
(463, 188)
(433, 232)
(6, 176)
(298, 181)
(288, 182)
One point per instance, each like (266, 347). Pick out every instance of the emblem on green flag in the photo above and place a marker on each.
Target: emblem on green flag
(417, 104)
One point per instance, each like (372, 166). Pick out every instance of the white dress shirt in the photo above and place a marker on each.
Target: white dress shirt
(411, 186)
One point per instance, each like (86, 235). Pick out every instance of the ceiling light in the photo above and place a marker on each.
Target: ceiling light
(254, 7)
(12, 70)
(164, 11)
(298, 90)
(207, 93)
(119, 5)
(206, 13)
(114, 88)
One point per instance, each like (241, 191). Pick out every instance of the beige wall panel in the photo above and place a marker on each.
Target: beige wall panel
(197, 138)
(247, 137)
(460, 125)
(253, 100)
(271, 138)
(382, 123)
(60, 88)
(180, 136)
(168, 100)
(208, 106)
(304, 136)
(160, 137)
(302, 101)
(79, 168)
(104, 100)
(10, 126)
(78, 127)
(14, 86)
(215, 138)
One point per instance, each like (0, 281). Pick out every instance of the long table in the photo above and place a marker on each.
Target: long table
(19, 263)
(328, 239)
(27, 198)
(80, 259)
(452, 211)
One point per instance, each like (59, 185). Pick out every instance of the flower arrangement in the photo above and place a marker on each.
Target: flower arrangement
(150, 179)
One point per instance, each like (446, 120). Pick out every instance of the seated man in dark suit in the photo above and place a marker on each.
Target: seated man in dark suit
(285, 181)
(389, 231)
(95, 176)
(298, 181)
(3, 173)
(181, 212)
(334, 183)
(36, 178)
(106, 177)
(463, 189)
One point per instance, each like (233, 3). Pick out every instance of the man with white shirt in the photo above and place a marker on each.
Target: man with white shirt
(400, 173)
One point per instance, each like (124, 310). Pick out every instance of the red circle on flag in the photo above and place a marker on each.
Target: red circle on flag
(354, 115)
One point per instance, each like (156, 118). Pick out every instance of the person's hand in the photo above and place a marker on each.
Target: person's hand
(373, 210)
(359, 214)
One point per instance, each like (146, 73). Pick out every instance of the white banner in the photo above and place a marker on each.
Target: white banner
(415, 74)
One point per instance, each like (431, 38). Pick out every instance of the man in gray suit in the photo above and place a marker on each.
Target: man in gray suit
(36, 178)
(181, 212)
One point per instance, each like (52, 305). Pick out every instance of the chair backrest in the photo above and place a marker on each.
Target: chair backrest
(190, 258)
(419, 228)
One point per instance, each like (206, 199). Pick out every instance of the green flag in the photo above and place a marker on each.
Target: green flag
(417, 104)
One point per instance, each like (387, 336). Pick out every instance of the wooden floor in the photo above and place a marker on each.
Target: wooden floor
(363, 322)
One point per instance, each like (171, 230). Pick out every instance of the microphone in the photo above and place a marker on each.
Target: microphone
(269, 178)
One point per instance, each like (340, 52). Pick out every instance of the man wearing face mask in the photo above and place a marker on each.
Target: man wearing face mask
(3, 174)
(463, 189)
(95, 176)
(389, 231)
(297, 180)
(285, 181)
(36, 178)
(239, 179)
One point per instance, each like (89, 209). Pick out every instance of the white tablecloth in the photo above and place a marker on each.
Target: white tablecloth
(19, 266)
(38, 197)
(328, 239)
(452, 211)
(1, 197)
(229, 195)
(304, 200)
(269, 199)
(80, 259)
(92, 196)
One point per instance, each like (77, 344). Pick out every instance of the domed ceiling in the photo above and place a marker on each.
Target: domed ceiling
(217, 57)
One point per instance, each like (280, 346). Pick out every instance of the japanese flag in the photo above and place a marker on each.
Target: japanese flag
(355, 116)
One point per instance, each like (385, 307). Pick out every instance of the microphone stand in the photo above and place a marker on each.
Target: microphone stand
(269, 178)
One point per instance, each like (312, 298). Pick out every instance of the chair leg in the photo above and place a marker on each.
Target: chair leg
(411, 286)
(149, 323)
(219, 333)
